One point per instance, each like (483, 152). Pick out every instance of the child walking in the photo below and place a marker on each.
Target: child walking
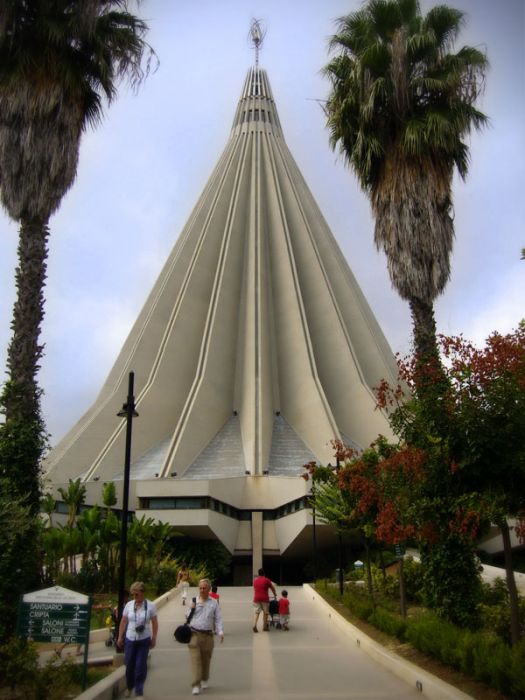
(284, 610)
(214, 593)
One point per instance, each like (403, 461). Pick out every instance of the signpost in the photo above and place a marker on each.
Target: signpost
(56, 615)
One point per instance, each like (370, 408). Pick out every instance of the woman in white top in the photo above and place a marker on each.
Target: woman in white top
(139, 625)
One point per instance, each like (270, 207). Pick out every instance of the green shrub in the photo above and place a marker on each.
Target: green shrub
(386, 585)
(495, 593)
(54, 680)
(517, 671)
(413, 576)
(89, 579)
(389, 623)
(494, 610)
(481, 654)
(28, 680)
(492, 662)
(360, 603)
(389, 557)
(203, 556)
(389, 585)
(19, 662)
(466, 652)
(451, 581)
(354, 574)
(434, 636)
(66, 580)
(165, 576)
(496, 619)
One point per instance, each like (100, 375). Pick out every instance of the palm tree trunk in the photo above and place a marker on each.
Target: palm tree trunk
(515, 632)
(24, 352)
(21, 396)
(424, 327)
(430, 377)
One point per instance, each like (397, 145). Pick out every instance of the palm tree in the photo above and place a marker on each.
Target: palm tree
(109, 496)
(74, 496)
(109, 549)
(48, 506)
(89, 525)
(59, 59)
(400, 106)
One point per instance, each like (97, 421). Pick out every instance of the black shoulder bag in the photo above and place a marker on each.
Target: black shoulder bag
(183, 632)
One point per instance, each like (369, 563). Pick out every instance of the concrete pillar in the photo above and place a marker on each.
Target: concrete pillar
(257, 541)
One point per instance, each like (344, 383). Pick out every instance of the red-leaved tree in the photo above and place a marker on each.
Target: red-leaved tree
(475, 454)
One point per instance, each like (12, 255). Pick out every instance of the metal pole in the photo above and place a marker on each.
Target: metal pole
(314, 533)
(86, 646)
(128, 410)
(340, 535)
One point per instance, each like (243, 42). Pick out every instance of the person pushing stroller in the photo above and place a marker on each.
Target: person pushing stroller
(261, 599)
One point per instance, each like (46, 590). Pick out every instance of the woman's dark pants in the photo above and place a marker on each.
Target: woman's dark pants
(136, 660)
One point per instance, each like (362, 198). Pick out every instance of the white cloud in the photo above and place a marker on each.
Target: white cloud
(502, 312)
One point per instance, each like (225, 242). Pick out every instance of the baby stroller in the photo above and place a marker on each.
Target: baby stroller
(273, 614)
(112, 621)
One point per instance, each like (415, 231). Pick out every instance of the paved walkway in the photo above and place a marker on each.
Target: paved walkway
(313, 660)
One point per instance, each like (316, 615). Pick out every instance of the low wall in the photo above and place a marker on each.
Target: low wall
(430, 686)
(111, 686)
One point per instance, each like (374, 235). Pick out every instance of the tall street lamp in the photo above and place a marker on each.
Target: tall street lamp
(340, 535)
(128, 412)
(314, 532)
(339, 571)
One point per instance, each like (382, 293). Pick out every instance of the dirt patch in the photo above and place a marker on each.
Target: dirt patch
(459, 680)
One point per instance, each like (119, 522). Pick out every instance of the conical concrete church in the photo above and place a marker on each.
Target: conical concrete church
(253, 351)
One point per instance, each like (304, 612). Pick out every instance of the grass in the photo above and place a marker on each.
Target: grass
(475, 689)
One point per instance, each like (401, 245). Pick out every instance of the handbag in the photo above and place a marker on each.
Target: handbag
(183, 632)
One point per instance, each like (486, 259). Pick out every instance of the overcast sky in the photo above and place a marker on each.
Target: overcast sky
(142, 170)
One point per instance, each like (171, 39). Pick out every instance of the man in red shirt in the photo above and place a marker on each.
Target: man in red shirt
(261, 599)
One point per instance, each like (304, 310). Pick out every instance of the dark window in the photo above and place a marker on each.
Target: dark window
(208, 503)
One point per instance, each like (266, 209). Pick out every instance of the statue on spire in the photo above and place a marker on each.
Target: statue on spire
(257, 34)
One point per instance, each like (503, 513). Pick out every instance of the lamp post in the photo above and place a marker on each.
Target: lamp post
(314, 532)
(339, 571)
(340, 536)
(128, 412)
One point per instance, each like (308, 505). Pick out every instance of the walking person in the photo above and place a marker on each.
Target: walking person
(261, 599)
(206, 622)
(137, 634)
(183, 578)
(284, 610)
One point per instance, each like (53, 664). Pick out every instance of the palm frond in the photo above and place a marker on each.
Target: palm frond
(400, 107)
(59, 61)
(445, 23)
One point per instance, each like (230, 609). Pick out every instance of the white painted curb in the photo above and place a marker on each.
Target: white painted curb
(429, 685)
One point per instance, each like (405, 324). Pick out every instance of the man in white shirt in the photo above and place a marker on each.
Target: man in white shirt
(205, 622)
